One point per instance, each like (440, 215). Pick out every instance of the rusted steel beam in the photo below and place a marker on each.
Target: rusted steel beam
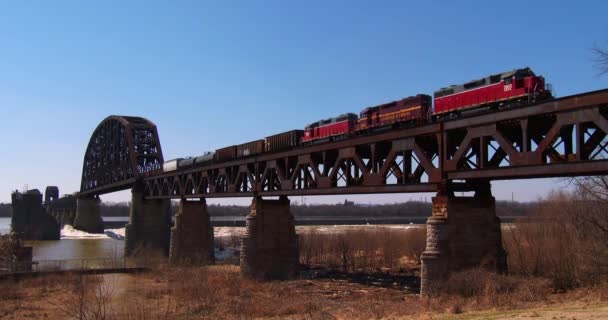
(414, 188)
(569, 169)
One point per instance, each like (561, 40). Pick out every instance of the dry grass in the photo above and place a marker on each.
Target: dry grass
(564, 241)
(218, 292)
(379, 249)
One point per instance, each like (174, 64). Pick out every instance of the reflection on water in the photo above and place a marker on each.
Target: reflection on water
(77, 249)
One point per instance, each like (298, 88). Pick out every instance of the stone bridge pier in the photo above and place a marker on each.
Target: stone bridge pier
(269, 248)
(88, 215)
(148, 230)
(462, 233)
(192, 235)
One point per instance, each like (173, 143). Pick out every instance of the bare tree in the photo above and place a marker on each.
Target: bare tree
(601, 59)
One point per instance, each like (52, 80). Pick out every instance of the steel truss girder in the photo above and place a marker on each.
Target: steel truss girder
(561, 137)
(120, 151)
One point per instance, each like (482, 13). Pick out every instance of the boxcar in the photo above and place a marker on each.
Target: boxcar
(225, 154)
(250, 148)
(519, 84)
(408, 110)
(282, 141)
(171, 165)
(329, 128)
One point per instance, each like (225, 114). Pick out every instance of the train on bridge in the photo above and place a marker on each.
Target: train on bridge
(505, 90)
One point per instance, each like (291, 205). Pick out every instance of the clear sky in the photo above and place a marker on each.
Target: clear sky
(211, 74)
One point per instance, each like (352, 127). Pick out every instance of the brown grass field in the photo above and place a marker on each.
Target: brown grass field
(218, 292)
(366, 273)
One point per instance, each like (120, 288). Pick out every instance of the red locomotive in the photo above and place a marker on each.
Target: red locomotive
(516, 86)
(328, 129)
(410, 110)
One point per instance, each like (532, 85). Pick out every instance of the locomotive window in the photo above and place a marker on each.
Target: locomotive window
(476, 83)
(444, 93)
(495, 78)
(508, 80)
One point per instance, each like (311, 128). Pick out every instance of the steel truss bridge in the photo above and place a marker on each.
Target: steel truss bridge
(556, 138)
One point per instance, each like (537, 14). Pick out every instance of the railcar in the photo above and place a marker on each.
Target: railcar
(410, 110)
(250, 148)
(205, 158)
(185, 163)
(283, 141)
(171, 165)
(225, 154)
(328, 129)
(519, 86)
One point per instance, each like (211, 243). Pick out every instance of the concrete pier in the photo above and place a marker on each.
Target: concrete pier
(29, 220)
(462, 233)
(192, 235)
(148, 230)
(269, 248)
(88, 215)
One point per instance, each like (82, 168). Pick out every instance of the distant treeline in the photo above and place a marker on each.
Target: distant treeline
(412, 209)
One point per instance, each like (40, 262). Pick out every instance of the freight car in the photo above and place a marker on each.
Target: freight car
(283, 141)
(171, 165)
(205, 158)
(250, 148)
(225, 154)
(517, 87)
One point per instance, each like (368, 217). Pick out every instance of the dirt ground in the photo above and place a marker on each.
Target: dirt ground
(566, 311)
(218, 292)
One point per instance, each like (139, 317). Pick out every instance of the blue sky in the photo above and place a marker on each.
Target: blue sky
(211, 74)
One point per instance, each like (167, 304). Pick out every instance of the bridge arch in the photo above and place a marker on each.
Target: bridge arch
(121, 149)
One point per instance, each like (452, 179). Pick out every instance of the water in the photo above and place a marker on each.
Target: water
(75, 244)
(77, 249)
(5, 225)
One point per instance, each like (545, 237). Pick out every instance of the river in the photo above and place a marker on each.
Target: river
(75, 244)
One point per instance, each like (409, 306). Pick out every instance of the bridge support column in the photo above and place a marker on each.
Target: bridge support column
(88, 215)
(463, 232)
(269, 248)
(29, 219)
(192, 235)
(148, 230)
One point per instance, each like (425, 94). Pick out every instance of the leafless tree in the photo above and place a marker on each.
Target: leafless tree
(601, 59)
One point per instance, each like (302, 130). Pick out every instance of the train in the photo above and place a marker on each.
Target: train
(511, 89)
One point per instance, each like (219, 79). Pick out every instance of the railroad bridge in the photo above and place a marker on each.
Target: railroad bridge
(556, 138)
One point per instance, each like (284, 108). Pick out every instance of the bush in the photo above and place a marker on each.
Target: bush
(488, 288)
(380, 248)
(564, 241)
